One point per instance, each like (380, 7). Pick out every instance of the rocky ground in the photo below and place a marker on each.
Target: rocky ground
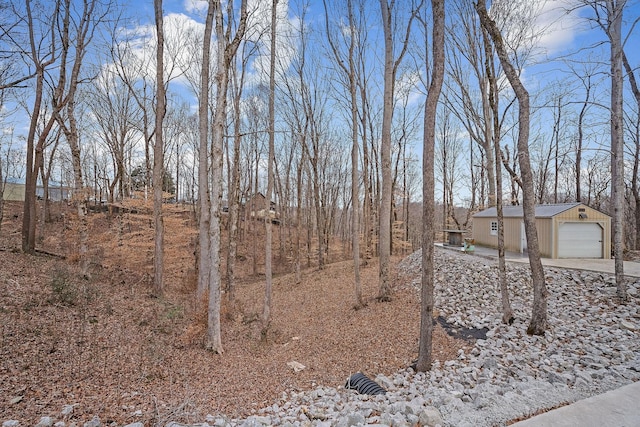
(592, 345)
(72, 348)
(88, 377)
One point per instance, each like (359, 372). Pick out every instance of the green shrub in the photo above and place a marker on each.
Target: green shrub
(63, 289)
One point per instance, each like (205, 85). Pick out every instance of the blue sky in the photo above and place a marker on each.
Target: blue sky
(567, 33)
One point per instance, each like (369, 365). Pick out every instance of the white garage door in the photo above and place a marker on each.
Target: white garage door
(580, 240)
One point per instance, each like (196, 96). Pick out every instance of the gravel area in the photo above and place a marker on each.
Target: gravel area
(101, 352)
(592, 346)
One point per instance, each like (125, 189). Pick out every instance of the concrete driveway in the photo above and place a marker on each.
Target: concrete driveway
(615, 408)
(631, 269)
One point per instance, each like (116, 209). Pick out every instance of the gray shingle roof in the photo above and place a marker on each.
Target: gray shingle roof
(542, 211)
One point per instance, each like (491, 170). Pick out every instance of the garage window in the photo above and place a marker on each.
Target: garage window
(494, 228)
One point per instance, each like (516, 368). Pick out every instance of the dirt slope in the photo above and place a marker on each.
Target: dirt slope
(108, 347)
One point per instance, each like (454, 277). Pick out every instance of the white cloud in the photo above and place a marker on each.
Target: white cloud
(541, 27)
(259, 31)
(559, 24)
(183, 42)
(407, 88)
(195, 6)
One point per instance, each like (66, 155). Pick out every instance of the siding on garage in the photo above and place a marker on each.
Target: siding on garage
(549, 219)
(591, 216)
(513, 227)
(545, 236)
(482, 233)
(511, 234)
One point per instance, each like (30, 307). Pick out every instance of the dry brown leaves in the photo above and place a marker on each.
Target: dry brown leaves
(108, 347)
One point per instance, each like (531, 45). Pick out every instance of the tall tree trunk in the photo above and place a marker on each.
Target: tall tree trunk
(234, 196)
(349, 70)
(614, 13)
(556, 143)
(494, 125)
(298, 244)
(581, 116)
(80, 199)
(384, 239)
(35, 148)
(428, 187)
(158, 156)
(636, 158)
(635, 189)
(538, 324)
(390, 70)
(355, 163)
(366, 184)
(266, 311)
(84, 31)
(355, 201)
(204, 201)
(214, 332)
(226, 53)
(488, 167)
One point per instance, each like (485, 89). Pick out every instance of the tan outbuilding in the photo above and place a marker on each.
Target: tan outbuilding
(565, 230)
(13, 191)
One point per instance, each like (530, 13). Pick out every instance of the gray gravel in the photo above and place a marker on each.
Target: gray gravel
(592, 345)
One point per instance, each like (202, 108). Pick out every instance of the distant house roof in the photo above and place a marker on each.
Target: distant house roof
(542, 211)
(21, 181)
(12, 180)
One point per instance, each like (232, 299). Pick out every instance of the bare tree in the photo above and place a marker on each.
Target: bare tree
(468, 90)
(309, 119)
(115, 112)
(133, 70)
(43, 53)
(266, 311)
(614, 9)
(391, 64)
(347, 65)
(79, 30)
(608, 16)
(586, 81)
(368, 134)
(428, 187)
(235, 164)
(158, 154)
(538, 323)
(494, 129)
(12, 21)
(635, 188)
(204, 200)
(227, 46)
(446, 165)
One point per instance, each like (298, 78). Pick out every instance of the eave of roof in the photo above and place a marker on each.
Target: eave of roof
(542, 211)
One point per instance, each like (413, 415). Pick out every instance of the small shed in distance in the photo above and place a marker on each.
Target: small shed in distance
(565, 230)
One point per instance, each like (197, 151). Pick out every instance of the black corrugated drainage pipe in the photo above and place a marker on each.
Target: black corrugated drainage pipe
(363, 384)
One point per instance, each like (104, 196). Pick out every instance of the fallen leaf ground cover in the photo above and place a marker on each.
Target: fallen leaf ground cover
(106, 346)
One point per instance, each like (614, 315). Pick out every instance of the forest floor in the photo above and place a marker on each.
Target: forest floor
(106, 346)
